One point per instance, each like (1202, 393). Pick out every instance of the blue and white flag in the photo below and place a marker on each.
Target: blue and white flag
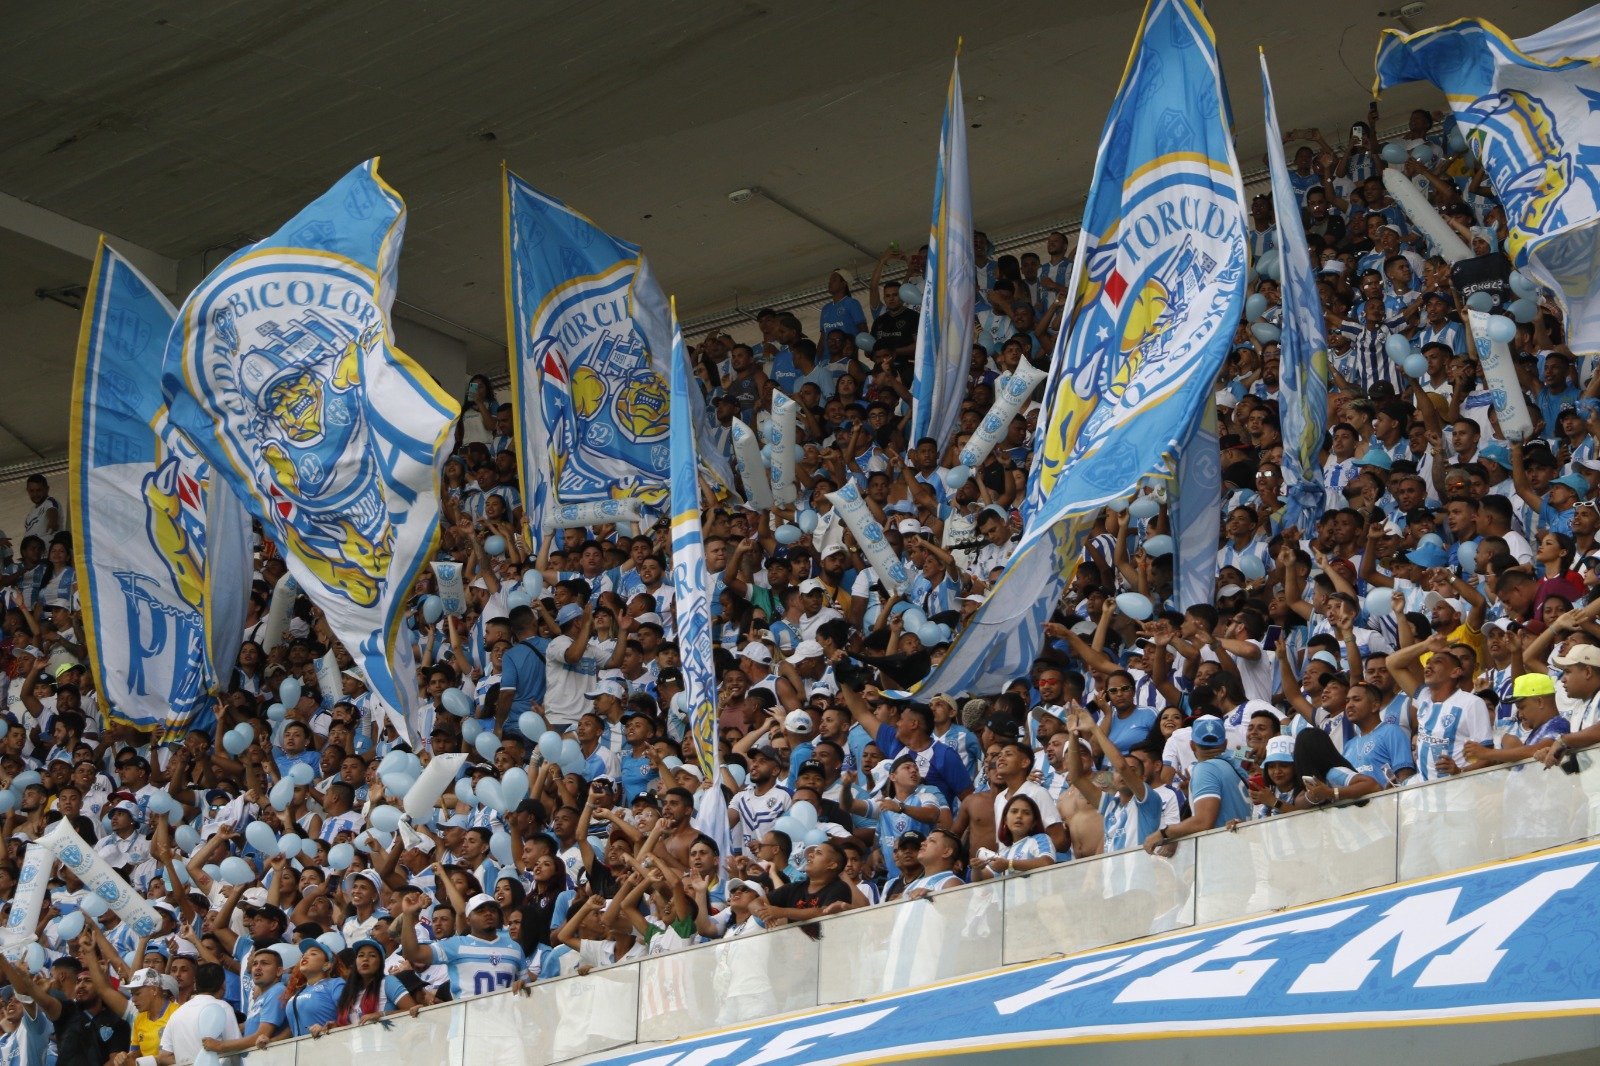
(1303, 359)
(1531, 113)
(590, 347)
(1196, 511)
(691, 587)
(283, 370)
(1160, 289)
(162, 549)
(945, 325)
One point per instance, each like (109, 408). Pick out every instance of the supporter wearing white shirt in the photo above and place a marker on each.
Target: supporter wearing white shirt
(1443, 716)
(570, 667)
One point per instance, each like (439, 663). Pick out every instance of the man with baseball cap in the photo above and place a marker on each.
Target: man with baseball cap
(1218, 787)
(759, 806)
(484, 960)
(1580, 679)
(570, 667)
(1539, 724)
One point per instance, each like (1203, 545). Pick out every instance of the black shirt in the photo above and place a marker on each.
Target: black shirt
(89, 1039)
(798, 895)
(895, 329)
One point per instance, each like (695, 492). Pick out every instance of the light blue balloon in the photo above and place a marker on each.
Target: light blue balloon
(385, 819)
(573, 764)
(1378, 603)
(1265, 332)
(807, 521)
(1467, 558)
(1423, 153)
(470, 730)
(5, 727)
(1415, 365)
(395, 760)
(308, 848)
(518, 598)
(8, 801)
(259, 835)
(235, 871)
(397, 783)
(23, 780)
(530, 725)
(814, 837)
(866, 342)
(464, 792)
(432, 609)
(737, 772)
(333, 941)
(1251, 567)
(213, 871)
(911, 294)
(495, 546)
(1481, 301)
(804, 813)
(1144, 507)
(301, 773)
(186, 838)
(456, 702)
(1501, 329)
(277, 712)
(486, 744)
(93, 904)
(289, 692)
(69, 926)
(957, 476)
(1118, 505)
(1397, 347)
(1255, 305)
(500, 847)
(233, 743)
(340, 856)
(570, 750)
(514, 786)
(1523, 310)
(489, 795)
(289, 846)
(213, 1020)
(282, 794)
(1393, 153)
(1456, 143)
(550, 745)
(1523, 285)
(913, 616)
(787, 534)
(159, 803)
(790, 827)
(1135, 606)
(533, 581)
(928, 633)
(35, 958)
(1158, 545)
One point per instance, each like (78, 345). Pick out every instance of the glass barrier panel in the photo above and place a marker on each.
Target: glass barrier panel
(1104, 900)
(1453, 824)
(728, 982)
(279, 1054)
(916, 942)
(1287, 860)
(1589, 782)
(435, 1035)
(556, 1020)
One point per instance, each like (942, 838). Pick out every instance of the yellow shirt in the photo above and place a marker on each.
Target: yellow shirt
(147, 1030)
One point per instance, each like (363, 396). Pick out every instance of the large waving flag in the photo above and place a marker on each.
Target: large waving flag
(1303, 361)
(692, 599)
(1531, 112)
(1159, 291)
(162, 548)
(1196, 510)
(590, 348)
(284, 372)
(945, 327)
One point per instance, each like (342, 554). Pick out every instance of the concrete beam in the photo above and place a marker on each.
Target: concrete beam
(47, 227)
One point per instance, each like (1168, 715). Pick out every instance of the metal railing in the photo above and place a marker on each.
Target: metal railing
(1398, 835)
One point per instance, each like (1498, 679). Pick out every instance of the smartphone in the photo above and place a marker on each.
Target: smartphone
(472, 390)
(1270, 642)
(1307, 781)
(1355, 133)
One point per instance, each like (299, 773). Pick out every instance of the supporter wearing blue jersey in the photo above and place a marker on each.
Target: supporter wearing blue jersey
(313, 992)
(483, 961)
(1217, 784)
(1380, 750)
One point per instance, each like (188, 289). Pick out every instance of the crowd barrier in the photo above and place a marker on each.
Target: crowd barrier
(1285, 861)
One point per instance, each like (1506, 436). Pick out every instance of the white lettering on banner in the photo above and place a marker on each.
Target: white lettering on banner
(804, 1039)
(1420, 926)
(1186, 979)
(1090, 973)
(703, 1056)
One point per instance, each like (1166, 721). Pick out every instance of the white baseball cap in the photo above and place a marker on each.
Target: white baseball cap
(758, 652)
(806, 649)
(798, 722)
(481, 900)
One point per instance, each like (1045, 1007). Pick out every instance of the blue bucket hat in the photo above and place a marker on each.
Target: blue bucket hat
(1428, 554)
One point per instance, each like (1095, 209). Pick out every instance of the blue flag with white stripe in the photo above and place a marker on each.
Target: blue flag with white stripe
(1303, 341)
(1530, 112)
(691, 586)
(1159, 292)
(283, 371)
(162, 547)
(945, 325)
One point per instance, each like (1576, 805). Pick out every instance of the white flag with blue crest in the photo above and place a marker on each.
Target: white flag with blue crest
(162, 547)
(1530, 112)
(284, 371)
(1159, 289)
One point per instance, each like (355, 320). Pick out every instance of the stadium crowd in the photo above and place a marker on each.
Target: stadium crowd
(1436, 619)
